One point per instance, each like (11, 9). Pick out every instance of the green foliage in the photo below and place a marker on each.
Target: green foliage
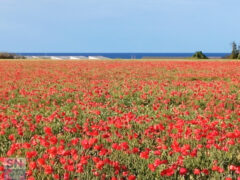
(10, 56)
(235, 51)
(199, 55)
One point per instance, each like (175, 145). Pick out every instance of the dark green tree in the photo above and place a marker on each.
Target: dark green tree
(235, 51)
(199, 55)
(239, 51)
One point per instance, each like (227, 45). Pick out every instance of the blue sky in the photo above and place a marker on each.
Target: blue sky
(118, 25)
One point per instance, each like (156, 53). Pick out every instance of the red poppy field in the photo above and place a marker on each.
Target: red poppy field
(121, 120)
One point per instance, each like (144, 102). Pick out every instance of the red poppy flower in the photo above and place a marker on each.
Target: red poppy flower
(167, 172)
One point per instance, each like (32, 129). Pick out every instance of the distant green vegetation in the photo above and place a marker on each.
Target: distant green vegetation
(10, 56)
(199, 55)
(235, 52)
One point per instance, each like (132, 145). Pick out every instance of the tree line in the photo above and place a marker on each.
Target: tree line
(235, 51)
(6, 55)
(235, 54)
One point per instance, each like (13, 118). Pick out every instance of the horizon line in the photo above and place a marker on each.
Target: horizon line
(121, 52)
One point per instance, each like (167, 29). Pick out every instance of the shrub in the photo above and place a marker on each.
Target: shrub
(10, 56)
(199, 55)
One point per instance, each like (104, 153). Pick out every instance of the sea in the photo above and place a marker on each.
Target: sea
(127, 55)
